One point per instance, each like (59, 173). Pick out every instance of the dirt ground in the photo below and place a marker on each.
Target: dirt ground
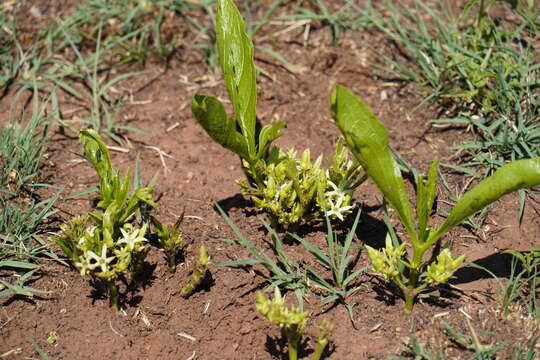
(220, 321)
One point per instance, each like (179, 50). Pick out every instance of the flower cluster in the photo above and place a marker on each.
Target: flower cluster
(386, 261)
(442, 269)
(292, 321)
(297, 189)
(95, 254)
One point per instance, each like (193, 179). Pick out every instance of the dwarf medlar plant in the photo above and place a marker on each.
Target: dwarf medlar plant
(293, 190)
(108, 244)
(410, 271)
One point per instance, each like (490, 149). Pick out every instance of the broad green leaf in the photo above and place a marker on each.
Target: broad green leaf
(211, 114)
(519, 174)
(96, 152)
(268, 134)
(368, 140)
(236, 57)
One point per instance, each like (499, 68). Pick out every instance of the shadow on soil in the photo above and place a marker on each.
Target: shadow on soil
(279, 350)
(498, 264)
(127, 290)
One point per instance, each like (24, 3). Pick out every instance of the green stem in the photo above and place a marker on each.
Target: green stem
(410, 290)
(113, 295)
(254, 173)
(293, 348)
(319, 350)
(409, 302)
(171, 261)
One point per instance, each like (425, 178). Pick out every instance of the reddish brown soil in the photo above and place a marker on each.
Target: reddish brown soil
(221, 318)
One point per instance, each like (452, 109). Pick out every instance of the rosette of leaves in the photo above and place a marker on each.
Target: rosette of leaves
(368, 141)
(108, 245)
(170, 240)
(293, 190)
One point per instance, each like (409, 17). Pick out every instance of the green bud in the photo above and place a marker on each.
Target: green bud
(441, 270)
(274, 310)
(386, 260)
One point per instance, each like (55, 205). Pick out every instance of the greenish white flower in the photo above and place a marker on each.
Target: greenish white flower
(101, 261)
(386, 261)
(338, 201)
(441, 270)
(84, 265)
(132, 237)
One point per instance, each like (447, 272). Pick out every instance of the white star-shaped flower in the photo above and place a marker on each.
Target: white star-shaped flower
(84, 265)
(131, 239)
(336, 198)
(101, 261)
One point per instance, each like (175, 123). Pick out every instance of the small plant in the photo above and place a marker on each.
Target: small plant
(339, 262)
(524, 285)
(368, 140)
(292, 190)
(530, 260)
(292, 322)
(170, 240)
(285, 273)
(198, 274)
(108, 245)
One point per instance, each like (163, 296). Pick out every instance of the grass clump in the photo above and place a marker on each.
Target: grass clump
(138, 30)
(300, 277)
(482, 69)
(22, 210)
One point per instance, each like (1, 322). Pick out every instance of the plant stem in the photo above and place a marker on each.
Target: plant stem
(319, 350)
(254, 173)
(409, 302)
(410, 290)
(293, 348)
(171, 261)
(113, 295)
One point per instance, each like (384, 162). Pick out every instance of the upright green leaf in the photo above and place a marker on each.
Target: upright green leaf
(519, 174)
(96, 152)
(425, 197)
(236, 57)
(368, 140)
(268, 134)
(211, 115)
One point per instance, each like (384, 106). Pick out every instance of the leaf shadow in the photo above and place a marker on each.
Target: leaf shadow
(371, 230)
(277, 347)
(499, 264)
